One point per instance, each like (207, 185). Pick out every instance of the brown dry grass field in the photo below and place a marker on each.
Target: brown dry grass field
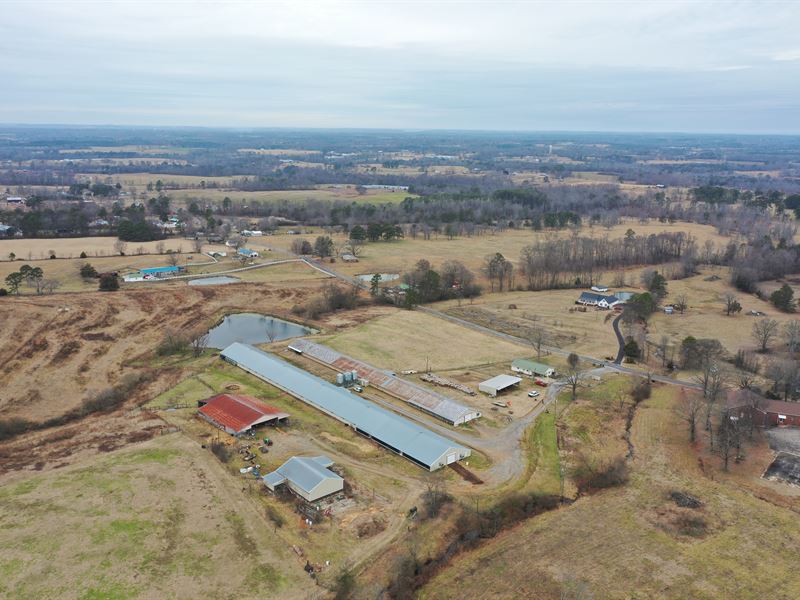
(158, 519)
(633, 541)
(400, 256)
(404, 340)
(55, 350)
(37, 248)
(705, 317)
(347, 194)
(67, 271)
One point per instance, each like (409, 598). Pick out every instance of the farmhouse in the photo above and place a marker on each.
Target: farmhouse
(421, 446)
(765, 413)
(350, 258)
(309, 478)
(532, 368)
(247, 252)
(251, 232)
(498, 384)
(599, 300)
(237, 414)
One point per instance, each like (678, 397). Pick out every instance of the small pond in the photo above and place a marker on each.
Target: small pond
(251, 328)
(367, 277)
(218, 280)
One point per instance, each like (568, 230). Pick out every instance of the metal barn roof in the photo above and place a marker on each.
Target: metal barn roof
(500, 382)
(396, 432)
(419, 396)
(239, 413)
(304, 472)
(154, 270)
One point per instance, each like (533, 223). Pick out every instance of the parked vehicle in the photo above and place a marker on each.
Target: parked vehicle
(533, 394)
(540, 382)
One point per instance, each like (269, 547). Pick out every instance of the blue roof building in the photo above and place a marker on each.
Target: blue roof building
(160, 270)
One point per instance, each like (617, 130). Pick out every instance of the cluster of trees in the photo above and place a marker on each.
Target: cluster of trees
(577, 260)
(425, 284)
(33, 277)
(332, 297)
(375, 232)
(138, 231)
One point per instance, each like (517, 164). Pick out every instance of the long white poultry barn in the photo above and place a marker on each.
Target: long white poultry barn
(416, 443)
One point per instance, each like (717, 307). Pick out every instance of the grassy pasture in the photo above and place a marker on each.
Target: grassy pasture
(399, 256)
(630, 540)
(38, 248)
(405, 339)
(152, 520)
(347, 194)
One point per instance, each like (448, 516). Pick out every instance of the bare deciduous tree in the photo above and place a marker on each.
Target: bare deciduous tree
(198, 245)
(690, 405)
(764, 331)
(732, 305)
(172, 258)
(120, 247)
(199, 344)
(537, 338)
(791, 333)
(681, 303)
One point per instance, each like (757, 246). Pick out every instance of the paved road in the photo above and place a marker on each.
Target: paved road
(620, 340)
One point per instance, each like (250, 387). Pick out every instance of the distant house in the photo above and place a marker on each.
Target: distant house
(4, 229)
(765, 413)
(247, 252)
(532, 368)
(251, 232)
(236, 414)
(15, 200)
(309, 478)
(599, 288)
(599, 300)
(349, 258)
(160, 272)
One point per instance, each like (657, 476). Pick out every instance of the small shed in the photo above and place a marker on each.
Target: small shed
(308, 477)
(498, 384)
(247, 252)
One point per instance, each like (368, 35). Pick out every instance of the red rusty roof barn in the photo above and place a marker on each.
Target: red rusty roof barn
(237, 414)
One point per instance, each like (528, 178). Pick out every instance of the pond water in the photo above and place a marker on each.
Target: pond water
(251, 328)
(367, 277)
(218, 280)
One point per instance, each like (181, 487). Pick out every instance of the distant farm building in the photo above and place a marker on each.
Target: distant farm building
(498, 384)
(247, 253)
(420, 445)
(236, 414)
(251, 232)
(418, 396)
(309, 478)
(161, 271)
(350, 258)
(765, 413)
(532, 368)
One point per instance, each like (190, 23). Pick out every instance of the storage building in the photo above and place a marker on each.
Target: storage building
(309, 478)
(498, 384)
(237, 414)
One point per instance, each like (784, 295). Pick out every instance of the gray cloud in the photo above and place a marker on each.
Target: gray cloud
(569, 66)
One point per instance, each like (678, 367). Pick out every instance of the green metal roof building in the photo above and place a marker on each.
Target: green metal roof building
(530, 367)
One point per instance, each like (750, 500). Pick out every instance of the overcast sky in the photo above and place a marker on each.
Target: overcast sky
(586, 66)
